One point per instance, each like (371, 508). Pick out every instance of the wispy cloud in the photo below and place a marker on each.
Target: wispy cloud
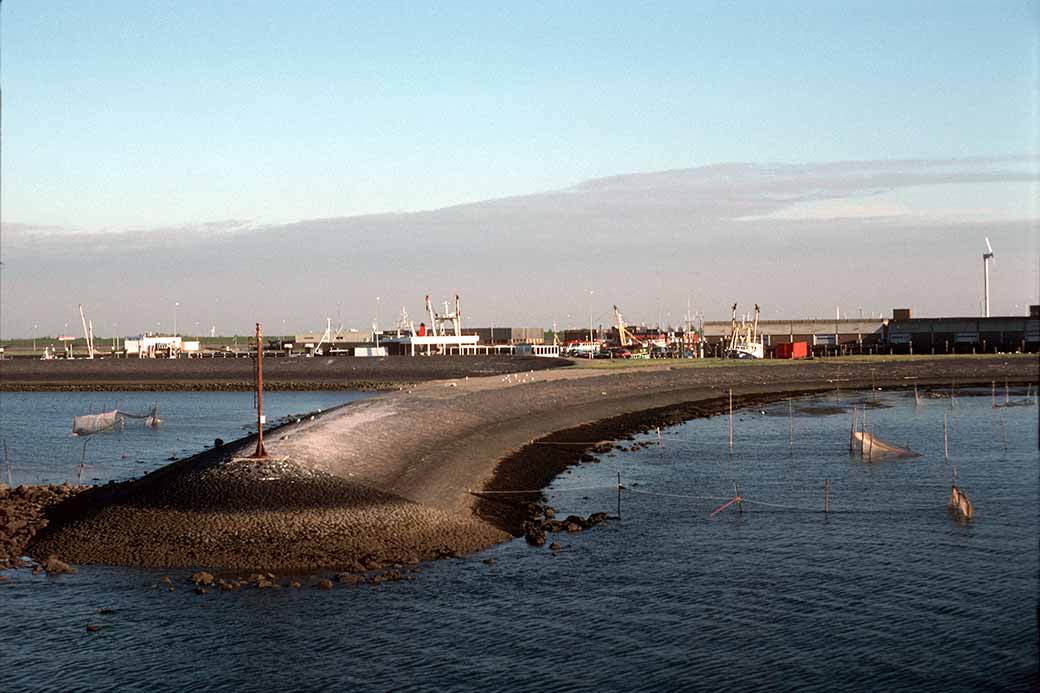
(748, 232)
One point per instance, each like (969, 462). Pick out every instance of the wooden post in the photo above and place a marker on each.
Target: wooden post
(83, 461)
(260, 451)
(790, 422)
(731, 418)
(619, 495)
(946, 440)
(826, 495)
(736, 492)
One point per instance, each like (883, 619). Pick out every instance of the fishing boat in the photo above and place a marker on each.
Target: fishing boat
(744, 340)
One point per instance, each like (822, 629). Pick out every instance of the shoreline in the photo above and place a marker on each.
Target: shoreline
(388, 480)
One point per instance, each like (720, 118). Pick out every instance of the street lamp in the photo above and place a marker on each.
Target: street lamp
(176, 305)
(590, 322)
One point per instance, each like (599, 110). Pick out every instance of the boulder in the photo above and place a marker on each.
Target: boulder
(574, 520)
(202, 578)
(325, 584)
(535, 535)
(349, 578)
(596, 519)
(572, 527)
(54, 565)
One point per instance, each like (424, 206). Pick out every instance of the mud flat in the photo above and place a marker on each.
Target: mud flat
(397, 478)
(322, 373)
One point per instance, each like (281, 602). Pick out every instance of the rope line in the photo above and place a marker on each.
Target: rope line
(677, 495)
(546, 490)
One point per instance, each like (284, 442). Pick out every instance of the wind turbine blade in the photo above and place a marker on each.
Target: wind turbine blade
(988, 246)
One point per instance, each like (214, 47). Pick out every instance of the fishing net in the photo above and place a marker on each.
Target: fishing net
(94, 423)
(88, 424)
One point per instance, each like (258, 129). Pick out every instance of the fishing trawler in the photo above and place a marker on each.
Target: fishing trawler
(744, 340)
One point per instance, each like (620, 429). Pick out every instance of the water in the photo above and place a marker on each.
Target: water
(885, 592)
(37, 427)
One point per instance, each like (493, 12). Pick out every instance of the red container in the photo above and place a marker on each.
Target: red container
(791, 350)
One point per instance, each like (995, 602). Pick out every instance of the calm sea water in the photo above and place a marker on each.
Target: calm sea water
(37, 428)
(884, 592)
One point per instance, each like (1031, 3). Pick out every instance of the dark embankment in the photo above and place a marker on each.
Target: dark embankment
(321, 373)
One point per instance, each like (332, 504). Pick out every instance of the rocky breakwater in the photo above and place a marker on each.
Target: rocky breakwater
(23, 513)
(223, 510)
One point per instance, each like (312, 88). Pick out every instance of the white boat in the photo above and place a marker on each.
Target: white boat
(744, 340)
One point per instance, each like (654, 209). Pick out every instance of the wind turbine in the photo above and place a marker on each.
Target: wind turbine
(986, 257)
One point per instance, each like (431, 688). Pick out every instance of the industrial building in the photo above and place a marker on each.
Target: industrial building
(156, 346)
(1008, 334)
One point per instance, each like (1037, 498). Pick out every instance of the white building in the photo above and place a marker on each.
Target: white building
(154, 346)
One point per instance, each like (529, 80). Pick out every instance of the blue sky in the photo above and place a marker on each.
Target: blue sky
(137, 115)
(203, 153)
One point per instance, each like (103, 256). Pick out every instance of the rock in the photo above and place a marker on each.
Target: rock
(201, 578)
(489, 561)
(596, 519)
(4, 578)
(391, 576)
(264, 583)
(166, 580)
(572, 527)
(199, 589)
(549, 513)
(53, 565)
(219, 442)
(575, 520)
(16, 526)
(37, 569)
(349, 578)
(325, 584)
(295, 584)
(226, 586)
(535, 535)
(555, 546)
(92, 628)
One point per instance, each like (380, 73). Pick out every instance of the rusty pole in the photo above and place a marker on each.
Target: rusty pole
(260, 452)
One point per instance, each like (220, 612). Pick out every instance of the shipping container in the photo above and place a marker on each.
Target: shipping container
(792, 350)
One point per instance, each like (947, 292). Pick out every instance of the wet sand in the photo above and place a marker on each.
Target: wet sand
(396, 479)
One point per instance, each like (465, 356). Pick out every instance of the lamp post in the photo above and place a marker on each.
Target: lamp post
(176, 305)
(590, 322)
(35, 328)
(375, 325)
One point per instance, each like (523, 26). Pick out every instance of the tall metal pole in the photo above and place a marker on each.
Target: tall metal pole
(590, 322)
(260, 452)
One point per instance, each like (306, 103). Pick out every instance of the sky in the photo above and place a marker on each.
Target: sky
(218, 125)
